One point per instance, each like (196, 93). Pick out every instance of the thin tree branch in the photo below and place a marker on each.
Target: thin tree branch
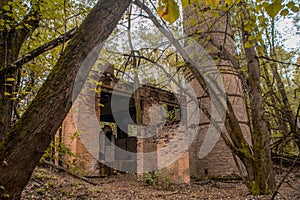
(42, 49)
(278, 61)
(286, 175)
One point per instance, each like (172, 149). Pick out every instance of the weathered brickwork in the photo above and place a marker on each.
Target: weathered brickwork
(169, 142)
(83, 158)
(166, 144)
(220, 160)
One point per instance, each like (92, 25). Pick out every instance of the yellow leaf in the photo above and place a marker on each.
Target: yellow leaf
(10, 79)
(251, 37)
(6, 94)
(212, 2)
(186, 3)
(248, 45)
(215, 15)
(168, 10)
(260, 49)
(229, 2)
(274, 8)
(6, 8)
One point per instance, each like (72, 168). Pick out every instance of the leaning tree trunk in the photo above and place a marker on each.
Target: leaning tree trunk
(26, 141)
(215, 35)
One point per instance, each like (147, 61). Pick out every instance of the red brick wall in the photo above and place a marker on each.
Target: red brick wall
(83, 158)
(220, 160)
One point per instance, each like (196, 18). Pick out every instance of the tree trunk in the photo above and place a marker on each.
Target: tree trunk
(288, 113)
(264, 180)
(9, 50)
(12, 38)
(8, 53)
(26, 141)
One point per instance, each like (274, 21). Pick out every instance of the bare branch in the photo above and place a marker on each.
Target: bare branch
(286, 175)
(44, 162)
(42, 49)
(278, 61)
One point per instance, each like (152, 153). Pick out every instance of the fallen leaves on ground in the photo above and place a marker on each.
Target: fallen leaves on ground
(49, 184)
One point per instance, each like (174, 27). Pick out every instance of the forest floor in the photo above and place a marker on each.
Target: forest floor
(47, 183)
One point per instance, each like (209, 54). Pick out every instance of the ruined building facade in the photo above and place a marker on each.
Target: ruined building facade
(158, 146)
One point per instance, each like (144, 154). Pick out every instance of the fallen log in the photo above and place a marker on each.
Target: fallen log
(62, 169)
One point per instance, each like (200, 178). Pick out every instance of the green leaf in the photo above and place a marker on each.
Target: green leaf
(274, 8)
(6, 8)
(6, 94)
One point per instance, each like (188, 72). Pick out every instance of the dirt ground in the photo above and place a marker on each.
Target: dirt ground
(50, 184)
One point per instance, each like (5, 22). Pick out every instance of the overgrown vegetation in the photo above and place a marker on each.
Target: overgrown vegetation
(38, 66)
(60, 154)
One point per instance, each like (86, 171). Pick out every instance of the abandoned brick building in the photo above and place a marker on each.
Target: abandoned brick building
(186, 163)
